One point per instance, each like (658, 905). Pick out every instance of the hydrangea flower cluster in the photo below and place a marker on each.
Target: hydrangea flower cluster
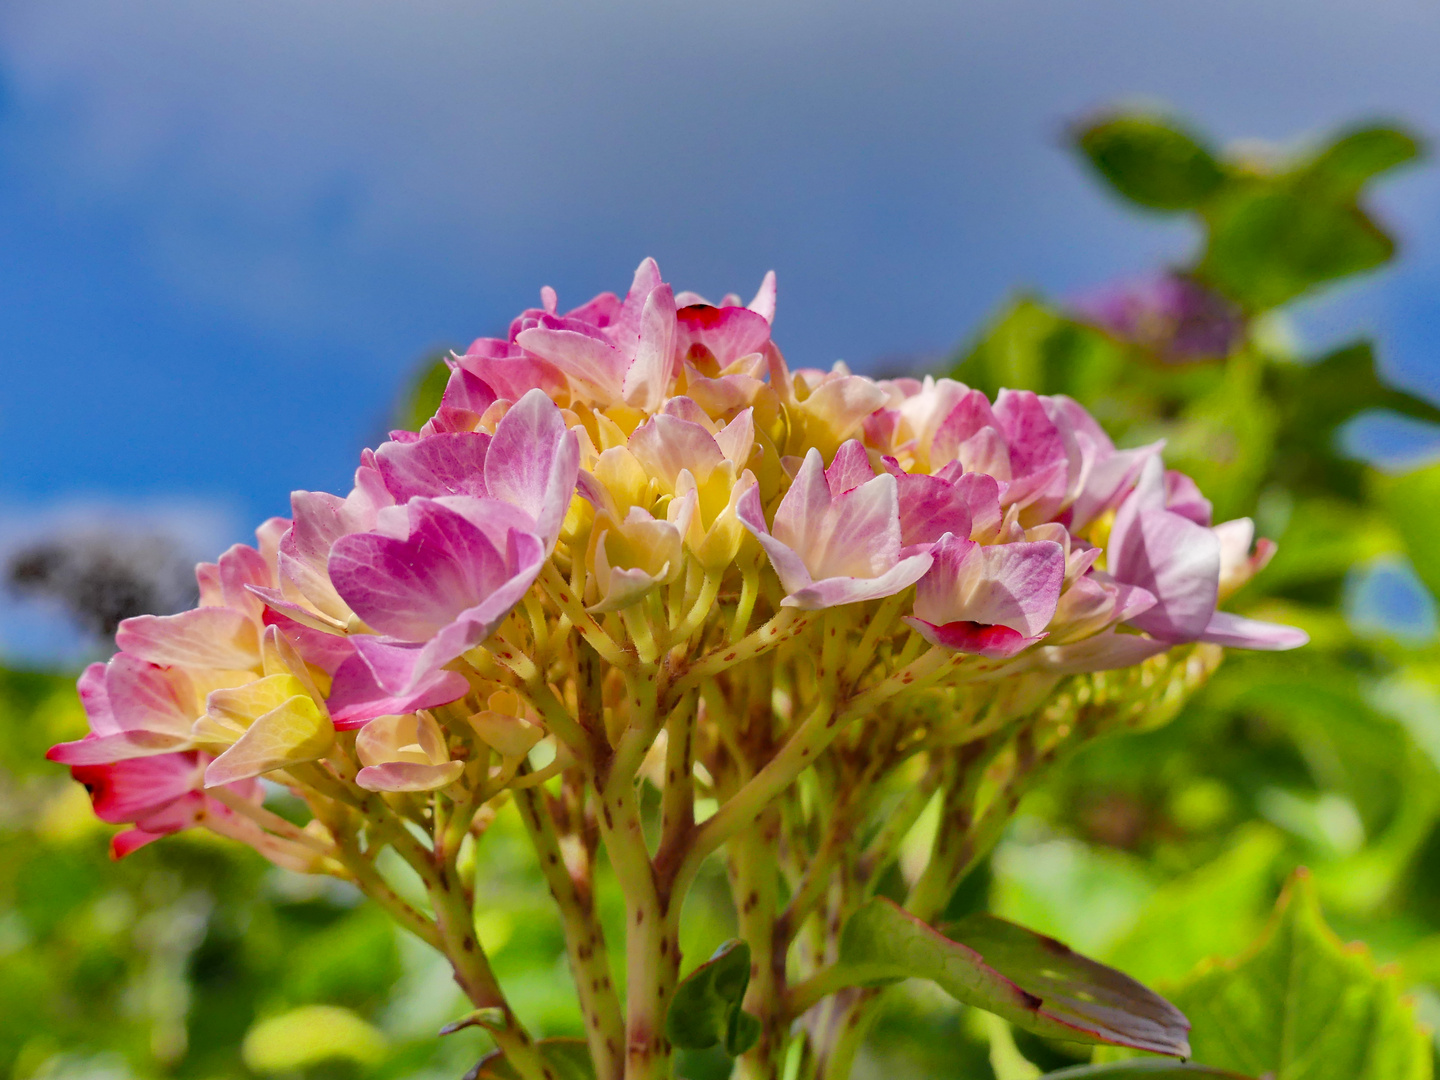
(633, 548)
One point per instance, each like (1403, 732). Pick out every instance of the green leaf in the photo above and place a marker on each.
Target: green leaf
(310, 1034)
(569, 1059)
(1178, 928)
(1413, 502)
(422, 396)
(1152, 162)
(1147, 1067)
(1269, 243)
(1029, 346)
(1031, 980)
(1303, 1006)
(706, 1010)
(1344, 166)
(1316, 399)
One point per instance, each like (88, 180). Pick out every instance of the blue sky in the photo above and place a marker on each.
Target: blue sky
(230, 227)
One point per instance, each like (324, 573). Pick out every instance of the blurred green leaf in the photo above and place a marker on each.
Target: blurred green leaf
(1302, 1005)
(1315, 399)
(1151, 161)
(1033, 981)
(706, 1008)
(310, 1034)
(1323, 539)
(1342, 168)
(1179, 927)
(1269, 243)
(1413, 503)
(1030, 346)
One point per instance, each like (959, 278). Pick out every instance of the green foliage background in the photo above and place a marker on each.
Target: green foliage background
(1155, 852)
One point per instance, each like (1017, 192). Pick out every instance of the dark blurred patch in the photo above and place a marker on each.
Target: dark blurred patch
(102, 579)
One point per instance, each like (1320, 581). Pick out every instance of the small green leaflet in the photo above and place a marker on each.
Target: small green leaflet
(706, 1007)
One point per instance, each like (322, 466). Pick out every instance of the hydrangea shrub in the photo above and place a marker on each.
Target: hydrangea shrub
(676, 600)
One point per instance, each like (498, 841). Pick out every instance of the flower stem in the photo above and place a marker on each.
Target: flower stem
(584, 939)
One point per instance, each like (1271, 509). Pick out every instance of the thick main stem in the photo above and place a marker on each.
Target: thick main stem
(754, 884)
(584, 940)
(651, 942)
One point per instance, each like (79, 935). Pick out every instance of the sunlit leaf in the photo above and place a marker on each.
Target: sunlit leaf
(1303, 1006)
(1031, 980)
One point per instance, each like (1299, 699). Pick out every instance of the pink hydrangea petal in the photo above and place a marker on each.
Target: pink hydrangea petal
(239, 568)
(467, 391)
(145, 697)
(591, 362)
(1183, 497)
(861, 534)
(1174, 559)
(408, 776)
(930, 508)
(96, 701)
(131, 789)
(626, 328)
(986, 452)
(533, 462)
(764, 302)
(213, 637)
(277, 604)
(357, 697)
(803, 509)
(666, 444)
(449, 464)
(968, 417)
(473, 626)
(104, 749)
(849, 468)
(323, 649)
(512, 376)
(787, 564)
(1015, 585)
(996, 642)
(726, 333)
(600, 312)
(832, 592)
(131, 841)
(653, 367)
(1036, 441)
(414, 587)
(1108, 651)
(1238, 632)
(1107, 481)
